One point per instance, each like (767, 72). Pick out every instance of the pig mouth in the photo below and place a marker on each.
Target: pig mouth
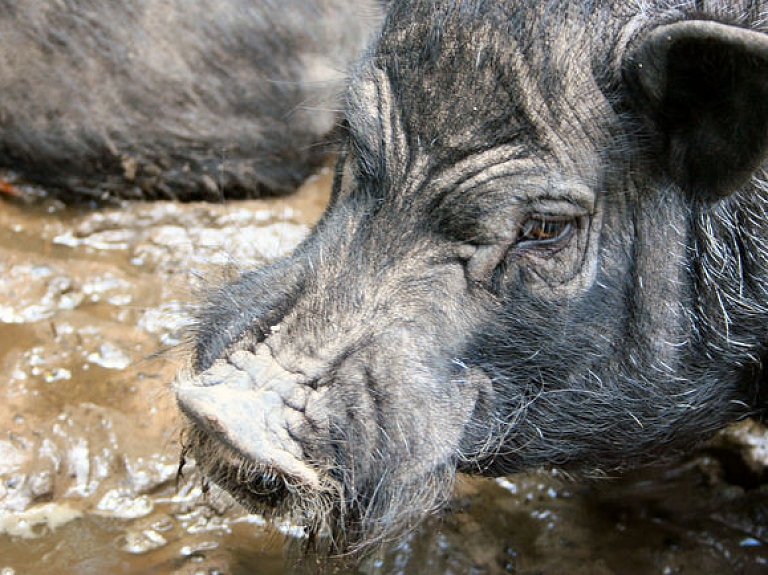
(244, 417)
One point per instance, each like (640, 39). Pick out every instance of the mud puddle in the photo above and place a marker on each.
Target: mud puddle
(94, 316)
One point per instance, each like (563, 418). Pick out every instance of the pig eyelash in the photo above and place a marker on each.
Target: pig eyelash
(545, 231)
(545, 235)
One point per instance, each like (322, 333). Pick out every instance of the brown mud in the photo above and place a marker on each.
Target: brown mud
(95, 311)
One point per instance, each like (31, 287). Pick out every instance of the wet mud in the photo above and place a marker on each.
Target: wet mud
(96, 308)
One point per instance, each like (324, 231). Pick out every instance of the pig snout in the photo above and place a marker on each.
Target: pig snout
(254, 407)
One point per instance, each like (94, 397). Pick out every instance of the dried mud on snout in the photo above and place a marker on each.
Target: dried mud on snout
(253, 408)
(91, 311)
(245, 415)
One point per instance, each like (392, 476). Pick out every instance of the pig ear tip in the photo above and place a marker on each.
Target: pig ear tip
(700, 85)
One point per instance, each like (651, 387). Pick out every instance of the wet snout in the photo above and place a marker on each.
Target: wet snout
(255, 407)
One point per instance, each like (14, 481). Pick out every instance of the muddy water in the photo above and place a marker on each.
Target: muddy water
(94, 312)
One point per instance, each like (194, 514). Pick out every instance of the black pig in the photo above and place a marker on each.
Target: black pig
(546, 246)
(181, 99)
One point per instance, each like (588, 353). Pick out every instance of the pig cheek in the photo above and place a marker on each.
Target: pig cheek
(450, 415)
(417, 429)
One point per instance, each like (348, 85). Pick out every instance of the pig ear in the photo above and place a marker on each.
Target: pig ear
(704, 87)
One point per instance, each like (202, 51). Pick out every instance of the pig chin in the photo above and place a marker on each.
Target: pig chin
(287, 448)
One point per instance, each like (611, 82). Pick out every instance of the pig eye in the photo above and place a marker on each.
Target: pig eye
(545, 230)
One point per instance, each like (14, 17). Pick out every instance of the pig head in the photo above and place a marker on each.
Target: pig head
(547, 245)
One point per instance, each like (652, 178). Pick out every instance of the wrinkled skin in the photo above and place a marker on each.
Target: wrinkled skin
(181, 99)
(546, 246)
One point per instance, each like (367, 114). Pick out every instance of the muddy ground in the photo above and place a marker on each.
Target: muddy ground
(95, 311)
